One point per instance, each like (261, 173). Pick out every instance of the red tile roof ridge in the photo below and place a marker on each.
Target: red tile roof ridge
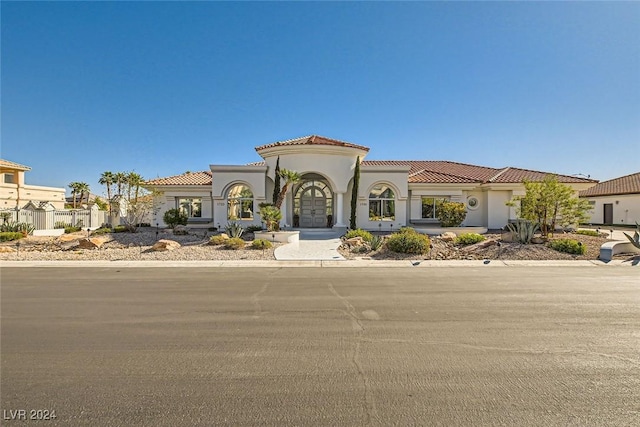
(559, 175)
(311, 140)
(163, 180)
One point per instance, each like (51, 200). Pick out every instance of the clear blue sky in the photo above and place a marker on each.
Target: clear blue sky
(162, 88)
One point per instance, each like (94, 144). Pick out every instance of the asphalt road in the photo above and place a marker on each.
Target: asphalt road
(336, 347)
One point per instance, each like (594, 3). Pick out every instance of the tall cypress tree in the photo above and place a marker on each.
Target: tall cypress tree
(354, 195)
(276, 180)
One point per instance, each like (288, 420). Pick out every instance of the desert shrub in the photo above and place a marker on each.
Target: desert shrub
(407, 230)
(523, 230)
(569, 246)
(261, 244)
(174, 217)
(102, 230)
(17, 227)
(233, 229)
(592, 233)
(451, 214)
(218, 239)
(61, 224)
(120, 229)
(409, 243)
(253, 228)
(7, 236)
(71, 229)
(365, 235)
(376, 242)
(234, 243)
(469, 238)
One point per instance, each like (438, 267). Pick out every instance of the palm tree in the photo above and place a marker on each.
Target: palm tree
(290, 177)
(134, 181)
(120, 178)
(83, 188)
(75, 189)
(107, 179)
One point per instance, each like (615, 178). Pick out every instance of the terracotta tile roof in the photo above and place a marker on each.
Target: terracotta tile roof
(436, 171)
(312, 140)
(628, 184)
(12, 165)
(191, 178)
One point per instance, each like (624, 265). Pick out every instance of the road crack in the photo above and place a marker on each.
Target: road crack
(255, 300)
(358, 330)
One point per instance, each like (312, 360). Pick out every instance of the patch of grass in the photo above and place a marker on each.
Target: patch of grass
(592, 233)
(8, 236)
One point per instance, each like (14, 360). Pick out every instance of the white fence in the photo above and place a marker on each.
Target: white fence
(51, 219)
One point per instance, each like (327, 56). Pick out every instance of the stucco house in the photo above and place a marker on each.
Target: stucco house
(391, 193)
(616, 201)
(14, 193)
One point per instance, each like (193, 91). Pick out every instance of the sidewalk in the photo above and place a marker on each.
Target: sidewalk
(313, 245)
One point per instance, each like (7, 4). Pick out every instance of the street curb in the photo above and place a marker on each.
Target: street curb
(318, 264)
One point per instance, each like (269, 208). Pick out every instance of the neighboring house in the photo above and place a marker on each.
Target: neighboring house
(14, 193)
(391, 193)
(82, 199)
(616, 201)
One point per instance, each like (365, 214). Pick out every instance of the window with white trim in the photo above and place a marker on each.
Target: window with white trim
(431, 207)
(240, 203)
(382, 203)
(192, 207)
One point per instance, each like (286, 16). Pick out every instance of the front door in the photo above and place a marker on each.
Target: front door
(313, 208)
(608, 213)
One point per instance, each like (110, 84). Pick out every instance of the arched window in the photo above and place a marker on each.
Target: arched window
(382, 203)
(240, 203)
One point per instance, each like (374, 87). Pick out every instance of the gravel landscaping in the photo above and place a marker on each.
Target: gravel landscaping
(195, 246)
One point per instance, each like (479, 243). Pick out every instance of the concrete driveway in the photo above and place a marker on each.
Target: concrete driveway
(310, 346)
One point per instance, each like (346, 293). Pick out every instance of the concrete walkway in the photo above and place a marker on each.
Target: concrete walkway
(321, 245)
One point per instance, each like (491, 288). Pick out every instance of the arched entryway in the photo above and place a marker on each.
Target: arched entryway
(313, 203)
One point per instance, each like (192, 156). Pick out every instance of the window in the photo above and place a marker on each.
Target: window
(382, 204)
(8, 178)
(431, 207)
(192, 207)
(240, 203)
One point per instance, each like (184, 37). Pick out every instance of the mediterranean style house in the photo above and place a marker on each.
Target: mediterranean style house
(14, 193)
(391, 193)
(616, 201)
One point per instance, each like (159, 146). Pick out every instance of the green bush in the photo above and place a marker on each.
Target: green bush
(7, 236)
(366, 236)
(407, 230)
(102, 230)
(71, 229)
(569, 246)
(218, 239)
(234, 243)
(120, 229)
(174, 217)
(253, 228)
(451, 214)
(409, 243)
(261, 244)
(592, 233)
(469, 238)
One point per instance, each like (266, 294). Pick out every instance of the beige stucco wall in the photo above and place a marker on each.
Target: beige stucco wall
(10, 192)
(167, 199)
(626, 208)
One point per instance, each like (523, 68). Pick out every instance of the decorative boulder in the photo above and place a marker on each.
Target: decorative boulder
(165, 245)
(6, 249)
(448, 236)
(90, 243)
(354, 242)
(180, 230)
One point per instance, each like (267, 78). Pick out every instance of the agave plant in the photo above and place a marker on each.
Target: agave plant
(523, 230)
(635, 240)
(234, 230)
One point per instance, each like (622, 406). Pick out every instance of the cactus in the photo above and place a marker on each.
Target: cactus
(234, 230)
(635, 240)
(523, 230)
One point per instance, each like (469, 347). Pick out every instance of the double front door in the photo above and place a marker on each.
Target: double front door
(313, 209)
